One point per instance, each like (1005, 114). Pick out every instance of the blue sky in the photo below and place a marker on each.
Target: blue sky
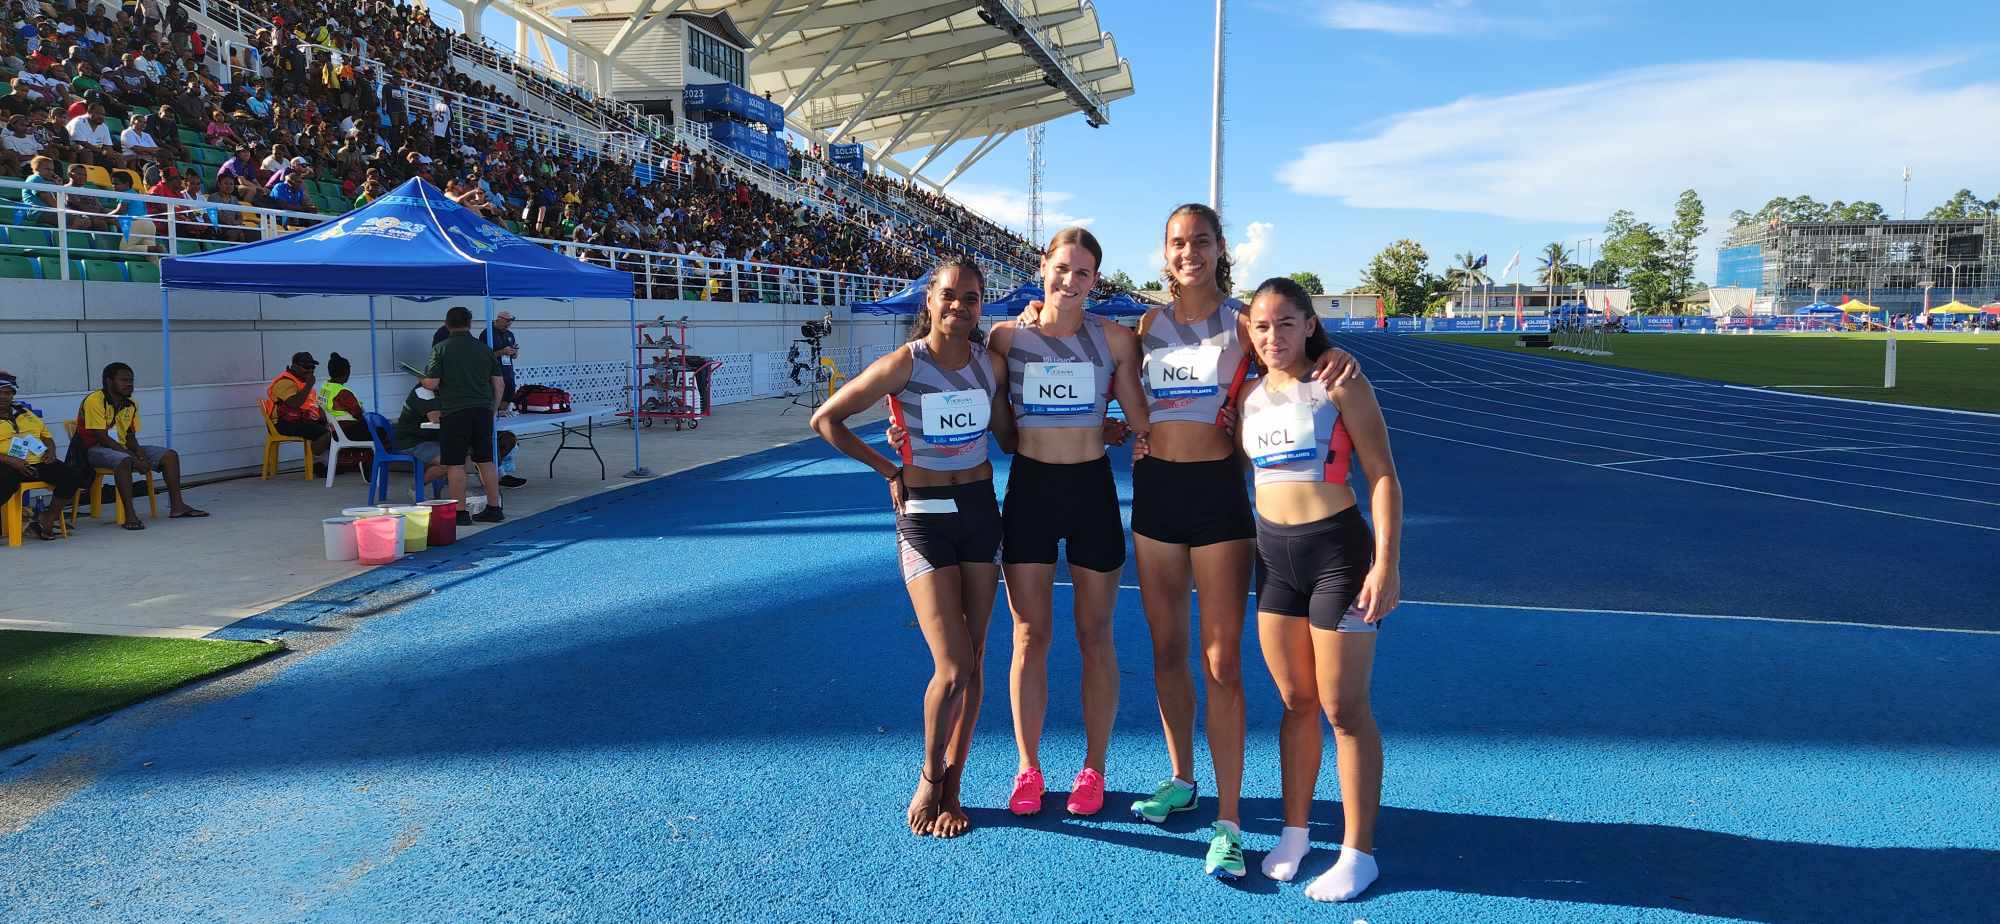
(1496, 125)
(1492, 126)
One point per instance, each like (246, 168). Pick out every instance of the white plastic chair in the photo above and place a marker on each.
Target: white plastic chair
(340, 441)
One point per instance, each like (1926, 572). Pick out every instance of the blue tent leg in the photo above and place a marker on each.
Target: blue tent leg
(492, 490)
(639, 469)
(167, 362)
(374, 370)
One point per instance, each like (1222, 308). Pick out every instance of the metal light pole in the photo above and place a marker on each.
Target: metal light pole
(1215, 125)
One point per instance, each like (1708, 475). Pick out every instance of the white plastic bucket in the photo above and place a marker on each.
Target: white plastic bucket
(339, 538)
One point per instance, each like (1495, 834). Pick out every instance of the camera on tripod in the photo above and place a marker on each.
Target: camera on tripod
(818, 330)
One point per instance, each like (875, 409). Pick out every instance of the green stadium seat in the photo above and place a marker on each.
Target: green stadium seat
(82, 240)
(187, 246)
(31, 237)
(12, 267)
(116, 125)
(143, 270)
(97, 270)
(191, 137)
(208, 157)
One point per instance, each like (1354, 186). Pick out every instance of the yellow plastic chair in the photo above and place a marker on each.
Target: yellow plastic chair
(96, 488)
(16, 513)
(273, 439)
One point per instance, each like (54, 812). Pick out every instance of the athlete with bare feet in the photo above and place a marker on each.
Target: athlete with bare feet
(948, 392)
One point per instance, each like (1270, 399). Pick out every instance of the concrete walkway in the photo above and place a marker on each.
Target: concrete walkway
(262, 545)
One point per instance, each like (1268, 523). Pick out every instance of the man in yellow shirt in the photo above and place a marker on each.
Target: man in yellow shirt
(28, 453)
(108, 425)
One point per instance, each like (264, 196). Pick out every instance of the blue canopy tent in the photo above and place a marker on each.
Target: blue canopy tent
(909, 300)
(1013, 303)
(1122, 305)
(410, 242)
(1569, 308)
(1818, 308)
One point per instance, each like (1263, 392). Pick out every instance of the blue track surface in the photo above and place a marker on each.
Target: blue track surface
(697, 700)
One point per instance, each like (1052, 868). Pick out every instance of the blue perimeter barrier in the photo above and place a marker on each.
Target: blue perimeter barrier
(1505, 325)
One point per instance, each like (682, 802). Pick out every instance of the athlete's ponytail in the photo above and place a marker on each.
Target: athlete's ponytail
(922, 327)
(1295, 295)
(1222, 262)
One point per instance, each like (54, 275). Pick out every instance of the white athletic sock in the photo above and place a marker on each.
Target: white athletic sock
(1282, 863)
(1184, 784)
(1350, 876)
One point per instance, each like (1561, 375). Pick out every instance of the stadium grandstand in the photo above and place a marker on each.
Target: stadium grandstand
(779, 153)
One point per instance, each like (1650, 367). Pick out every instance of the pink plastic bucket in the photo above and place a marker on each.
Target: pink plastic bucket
(379, 540)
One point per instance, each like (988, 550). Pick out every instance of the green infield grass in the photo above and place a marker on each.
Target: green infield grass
(51, 679)
(1959, 371)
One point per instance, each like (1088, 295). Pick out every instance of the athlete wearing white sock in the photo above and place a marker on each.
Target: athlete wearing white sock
(1326, 581)
(1282, 863)
(1350, 876)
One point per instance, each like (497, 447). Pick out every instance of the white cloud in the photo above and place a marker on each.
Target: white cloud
(1737, 132)
(1448, 17)
(1009, 207)
(1244, 255)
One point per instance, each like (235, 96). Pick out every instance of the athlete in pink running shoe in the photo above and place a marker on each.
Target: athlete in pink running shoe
(1086, 795)
(1026, 799)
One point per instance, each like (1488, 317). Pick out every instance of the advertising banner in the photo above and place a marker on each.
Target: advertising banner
(730, 98)
(1536, 325)
(1405, 324)
(847, 157)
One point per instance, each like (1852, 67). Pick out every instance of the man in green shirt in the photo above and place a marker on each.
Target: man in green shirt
(469, 382)
(412, 436)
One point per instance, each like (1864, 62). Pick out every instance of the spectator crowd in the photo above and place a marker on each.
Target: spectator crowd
(334, 103)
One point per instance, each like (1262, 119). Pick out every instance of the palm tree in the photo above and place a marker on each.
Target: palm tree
(1555, 258)
(1469, 274)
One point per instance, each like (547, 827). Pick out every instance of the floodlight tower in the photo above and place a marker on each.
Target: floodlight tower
(1215, 125)
(1035, 185)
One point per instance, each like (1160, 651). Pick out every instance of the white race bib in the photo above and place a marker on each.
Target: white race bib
(1279, 435)
(26, 448)
(1183, 371)
(955, 417)
(1058, 388)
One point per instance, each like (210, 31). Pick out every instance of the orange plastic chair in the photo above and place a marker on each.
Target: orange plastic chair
(16, 513)
(273, 439)
(96, 488)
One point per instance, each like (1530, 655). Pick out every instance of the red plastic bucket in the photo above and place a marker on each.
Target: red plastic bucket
(444, 521)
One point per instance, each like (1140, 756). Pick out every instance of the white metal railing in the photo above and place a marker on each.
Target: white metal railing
(77, 230)
(612, 135)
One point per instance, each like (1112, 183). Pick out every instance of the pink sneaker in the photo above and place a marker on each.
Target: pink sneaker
(1086, 795)
(1028, 790)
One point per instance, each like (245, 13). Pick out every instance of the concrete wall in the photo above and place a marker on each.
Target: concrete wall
(57, 336)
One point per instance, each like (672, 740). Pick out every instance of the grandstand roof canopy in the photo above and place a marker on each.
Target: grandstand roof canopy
(898, 75)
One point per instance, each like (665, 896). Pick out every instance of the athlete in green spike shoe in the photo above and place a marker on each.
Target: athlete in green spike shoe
(1172, 796)
(1225, 852)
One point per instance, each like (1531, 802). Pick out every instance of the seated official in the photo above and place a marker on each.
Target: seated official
(290, 405)
(28, 453)
(415, 439)
(108, 426)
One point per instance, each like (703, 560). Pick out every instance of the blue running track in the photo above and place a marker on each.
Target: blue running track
(1683, 652)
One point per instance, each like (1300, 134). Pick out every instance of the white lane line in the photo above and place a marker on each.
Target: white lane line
(1876, 404)
(1705, 411)
(1712, 484)
(1899, 415)
(1781, 452)
(1785, 620)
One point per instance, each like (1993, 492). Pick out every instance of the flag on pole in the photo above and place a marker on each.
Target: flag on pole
(1511, 264)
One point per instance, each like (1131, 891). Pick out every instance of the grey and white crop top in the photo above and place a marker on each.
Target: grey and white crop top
(946, 411)
(1295, 434)
(1191, 370)
(1059, 381)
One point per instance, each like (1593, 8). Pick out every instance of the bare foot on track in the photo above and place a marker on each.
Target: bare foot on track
(952, 820)
(924, 807)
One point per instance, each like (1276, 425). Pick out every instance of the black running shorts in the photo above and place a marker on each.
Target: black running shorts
(1315, 569)
(945, 526)
(1075, 505)
(1191, 503)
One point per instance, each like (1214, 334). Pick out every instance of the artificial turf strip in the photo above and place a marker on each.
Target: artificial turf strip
(51, 679)
(1959, 371)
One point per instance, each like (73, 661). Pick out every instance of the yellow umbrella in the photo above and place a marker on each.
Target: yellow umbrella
(1859, 305)
(1954, 307)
